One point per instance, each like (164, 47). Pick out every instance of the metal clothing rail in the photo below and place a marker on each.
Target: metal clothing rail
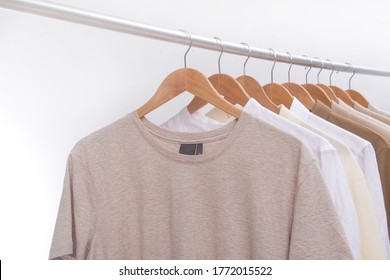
(72, 14)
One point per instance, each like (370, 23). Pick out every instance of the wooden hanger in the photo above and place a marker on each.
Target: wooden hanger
(329, 92)
(225, 85)
(276, 92)
(191, 80)
(298, 91)
(254, 89)
(301, 94)
(343, 95)
(339, 92)
(355, 95)
(318, 93)
(358, 97)
(332, 96)
(315, 91)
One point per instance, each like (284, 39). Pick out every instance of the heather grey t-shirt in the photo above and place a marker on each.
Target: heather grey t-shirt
(132, 190)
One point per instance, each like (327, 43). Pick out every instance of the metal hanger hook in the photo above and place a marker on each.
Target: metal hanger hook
(291, 63)
(319, 72)
(311, 66)
(220, 55)
(330, 76)
(273, 66)
(354, 72)
(249, 55)
(188, 35)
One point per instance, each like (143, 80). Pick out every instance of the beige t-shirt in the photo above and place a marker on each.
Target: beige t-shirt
(252, 192)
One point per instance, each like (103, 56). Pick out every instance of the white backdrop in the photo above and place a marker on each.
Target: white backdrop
(60, 81)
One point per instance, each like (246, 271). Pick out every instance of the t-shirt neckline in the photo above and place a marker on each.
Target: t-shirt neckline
(228, 132)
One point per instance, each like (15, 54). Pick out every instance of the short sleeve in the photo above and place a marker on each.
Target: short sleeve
(316, 231)
(74, 225)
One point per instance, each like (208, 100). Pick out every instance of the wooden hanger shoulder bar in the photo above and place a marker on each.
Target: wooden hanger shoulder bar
(255, 90)
(193, 81)
(226, 86)
(358, 97)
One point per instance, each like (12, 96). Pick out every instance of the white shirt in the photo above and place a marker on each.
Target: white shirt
(378, 111)
(324, 153)
(371, 245)
(365, 155)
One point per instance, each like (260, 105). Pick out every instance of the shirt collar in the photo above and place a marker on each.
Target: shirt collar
(321, 110)
(343, 104)
(286, 113)
(299, 110)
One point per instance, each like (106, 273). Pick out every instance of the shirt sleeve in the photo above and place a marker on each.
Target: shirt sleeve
(74, 225)
(374, 184)
(336, 182)
(316, 232)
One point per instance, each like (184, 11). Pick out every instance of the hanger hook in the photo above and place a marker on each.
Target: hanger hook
(291, 63)
(220, 55)
(319, 72)
(188, 35)
(249, 55)
(330, 76)
(354, 71)
(311, 66)
(273, 66)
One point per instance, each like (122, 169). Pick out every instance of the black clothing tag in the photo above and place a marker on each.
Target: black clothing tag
(191, 149)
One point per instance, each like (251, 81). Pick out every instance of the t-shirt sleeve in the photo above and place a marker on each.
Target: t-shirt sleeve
(316, 231)
(74, 225)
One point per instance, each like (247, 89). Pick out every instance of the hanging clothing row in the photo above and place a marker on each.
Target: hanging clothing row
(281, 171)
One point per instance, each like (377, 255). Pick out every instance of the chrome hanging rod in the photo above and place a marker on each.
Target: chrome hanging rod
(72, 14)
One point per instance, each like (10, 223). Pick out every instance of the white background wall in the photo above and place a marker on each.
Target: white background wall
(61, 81)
